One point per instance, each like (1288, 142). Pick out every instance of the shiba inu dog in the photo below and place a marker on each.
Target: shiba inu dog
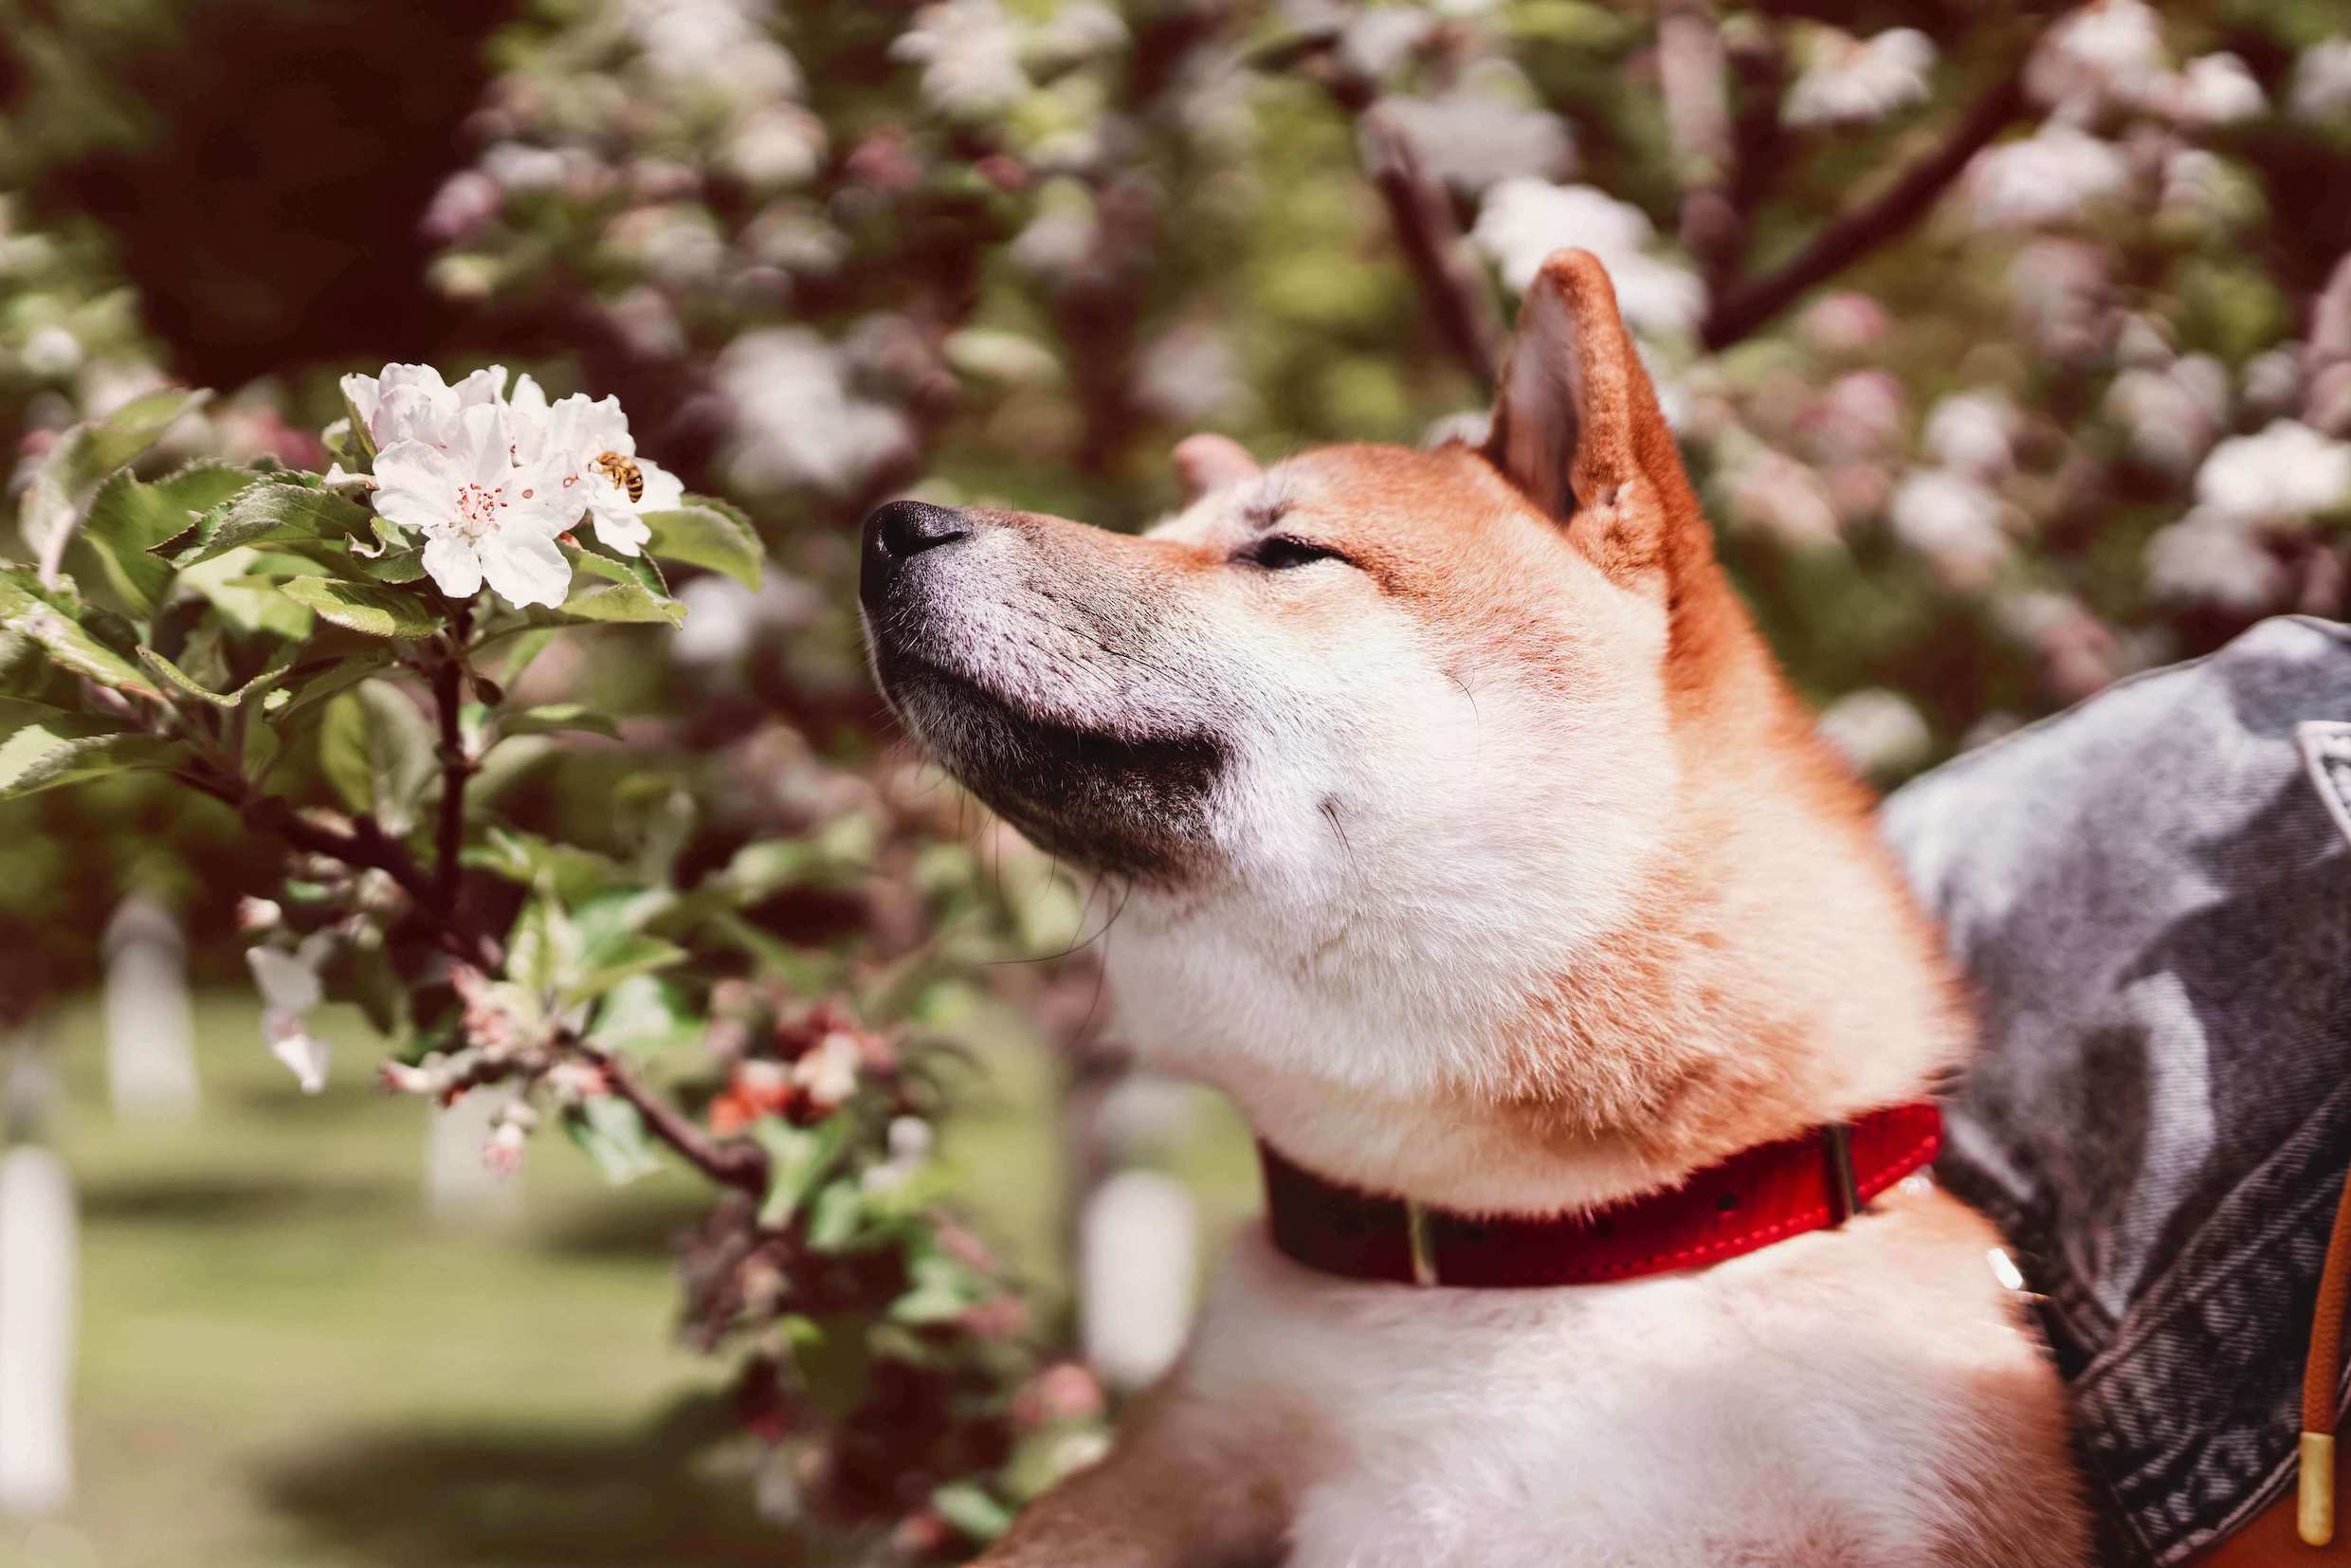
(1479, 851)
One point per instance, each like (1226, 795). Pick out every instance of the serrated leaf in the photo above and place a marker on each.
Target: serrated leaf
(81, 459)
(363, 606)
(46, 617)
(708, 533)
(247, 601)
(613, 1136)
(528, 859)
(543, 951)
(273, 511)
(188, 687)
(836, 1216)
(126, 519)
(45, 748)
(797, 1159)
(552, 718)
(606, 589)
(377, 750)
(314, 682)
(642, 1015)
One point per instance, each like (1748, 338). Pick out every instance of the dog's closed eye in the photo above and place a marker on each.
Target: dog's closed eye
(1282, 552)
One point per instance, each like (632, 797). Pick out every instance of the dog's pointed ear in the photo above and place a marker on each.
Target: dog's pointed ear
(1205, 463)
(1578, 427)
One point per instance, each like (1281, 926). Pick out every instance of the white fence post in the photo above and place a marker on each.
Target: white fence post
(37, 1268)
(151, 1060)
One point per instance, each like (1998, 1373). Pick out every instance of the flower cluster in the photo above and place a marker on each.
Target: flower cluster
(491, 480)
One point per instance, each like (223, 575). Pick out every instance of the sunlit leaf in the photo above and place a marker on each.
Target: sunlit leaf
(708, 533)
(273, 511)
(44, 748)
(378, 751)
(362, 607)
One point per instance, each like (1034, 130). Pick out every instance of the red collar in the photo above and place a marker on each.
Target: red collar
(1815, 1180)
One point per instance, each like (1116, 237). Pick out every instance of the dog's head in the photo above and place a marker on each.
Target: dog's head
(1387, 742)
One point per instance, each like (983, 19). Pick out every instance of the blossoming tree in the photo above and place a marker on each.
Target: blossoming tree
(205, 623)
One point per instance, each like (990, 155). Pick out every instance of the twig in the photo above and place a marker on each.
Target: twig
(1743, 308)
(1694, 76)
(730, 1163)
(448, 695)
(1456, 296)
(1451, 288)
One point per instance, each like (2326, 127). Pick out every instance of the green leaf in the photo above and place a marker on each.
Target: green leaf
(968, 1506)
(127, 518)
(606, 589)
(309, 685)
(643, 1015)
(248, 602)
(612, 1134)
(361, 607)
(274, 511)
(543, 951)
(708, 533)
(45, 748)
(797, 1159)
(552, 717)
(188, 687)
(54, 619)
(837, 1215)
(574, 874)
(81, 459)
(377, 750)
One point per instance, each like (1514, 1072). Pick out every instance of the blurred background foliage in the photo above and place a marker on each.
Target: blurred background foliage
(2009, 342)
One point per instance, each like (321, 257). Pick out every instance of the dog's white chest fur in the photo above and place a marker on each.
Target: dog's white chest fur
(1796, 1406)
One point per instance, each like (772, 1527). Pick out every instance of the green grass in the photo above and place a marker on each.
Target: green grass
(285, 1361)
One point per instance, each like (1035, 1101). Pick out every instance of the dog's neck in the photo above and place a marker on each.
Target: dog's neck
(1771, 976)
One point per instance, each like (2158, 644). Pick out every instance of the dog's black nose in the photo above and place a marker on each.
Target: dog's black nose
(905, 529)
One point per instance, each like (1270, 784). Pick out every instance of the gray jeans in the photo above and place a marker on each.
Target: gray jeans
(2151, 895)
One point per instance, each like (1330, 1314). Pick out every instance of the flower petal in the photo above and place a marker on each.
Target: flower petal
(616, 521)
(305, 1054)
(287, 984)
(525, 569)
(454, 567)
(664, 490)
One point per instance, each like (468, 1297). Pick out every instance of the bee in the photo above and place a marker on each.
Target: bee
(622, 471)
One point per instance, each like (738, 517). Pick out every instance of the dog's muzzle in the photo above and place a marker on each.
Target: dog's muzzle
(1112, 791)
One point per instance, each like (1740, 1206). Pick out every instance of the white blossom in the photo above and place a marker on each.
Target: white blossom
(798, 418)
(828, 1072)
(483, 516)
(1953, 520)
(1189, 374)
(2321, 88)
(2063, 293)
(2208, 559)
(1485, 131)
(779, 145)
(412, 403)
(2216, 89)
(1378, 41)
(2287, 473)
(588, 444)
(2047, 177)
(2106, 52)
(1079, 30)
(290, 988)
(970, 54)
(1523, 221)
(514, 166)
(1851, 80)
(1784, 498)
(51, 350)
(719, 45)
(1973, 432)
(1877, 731)
(2173, 414)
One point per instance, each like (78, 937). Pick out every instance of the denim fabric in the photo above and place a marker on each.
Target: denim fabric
(2151, 895)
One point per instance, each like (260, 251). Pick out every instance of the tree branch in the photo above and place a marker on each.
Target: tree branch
(1698, 119)
(448, 697)
(1456, 296)
(730, 1163)
(1852, 234)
